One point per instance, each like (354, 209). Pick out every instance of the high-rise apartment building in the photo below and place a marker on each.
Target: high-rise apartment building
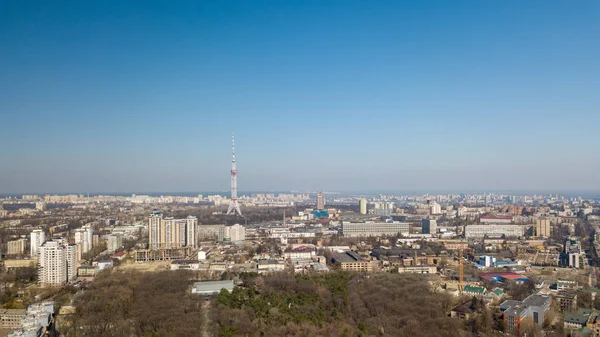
(114, 242)
(57, 263)
(428, 226)
(170, 232)
(235, 233)
(362, 205)
(320, 201)
(38, 237)
(542, 228)
(16, 247)
(84, 238)
(435, 208)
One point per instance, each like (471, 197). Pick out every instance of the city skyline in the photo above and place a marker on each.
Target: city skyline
(352, 96)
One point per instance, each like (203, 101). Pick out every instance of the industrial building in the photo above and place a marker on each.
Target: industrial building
(211, 287)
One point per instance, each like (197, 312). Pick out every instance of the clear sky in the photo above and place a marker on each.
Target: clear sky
(123, 96)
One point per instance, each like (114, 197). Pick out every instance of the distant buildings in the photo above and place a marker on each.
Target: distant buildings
(16, 247)
(38, 237)
(171, 233)
(350, 229)
(503, 219)
(235, 233)
(428, 226)
(320, 201)
(57, 263)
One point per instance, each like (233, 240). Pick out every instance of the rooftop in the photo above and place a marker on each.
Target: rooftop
(537, 300)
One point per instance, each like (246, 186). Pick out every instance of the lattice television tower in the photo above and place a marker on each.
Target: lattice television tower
(234, 206)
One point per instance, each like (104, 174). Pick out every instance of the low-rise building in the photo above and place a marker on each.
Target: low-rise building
(418, 269)
(11, 318)
(212, 287)
(480, 231)
(567, 300)
(268, 266)
(534, 307)
(351, 261)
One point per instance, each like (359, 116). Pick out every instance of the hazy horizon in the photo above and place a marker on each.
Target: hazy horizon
(353, 95)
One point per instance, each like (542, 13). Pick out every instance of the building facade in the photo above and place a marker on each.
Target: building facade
(320, 201)
(16, 247)
(352, 229)
(170, 233)
(428, 226)
(542, 228)
(480, 231)
(38, 237)
(57, 263)
(234, 233)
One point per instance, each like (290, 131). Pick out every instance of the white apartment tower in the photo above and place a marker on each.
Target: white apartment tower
(84, 238)
(235, 233)
(57, 263)
(38, 237)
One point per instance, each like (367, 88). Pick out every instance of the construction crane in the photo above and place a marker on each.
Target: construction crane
(460, 270)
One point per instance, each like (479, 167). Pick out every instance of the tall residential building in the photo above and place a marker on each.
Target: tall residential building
(542, 228)
(114, 242)
(362, 205)
(16, 247)
(38, 237)
(435, 208)
(57, 263)
(84, 238)
(172, 233)
(428, 226)
(320, 201)
(235, 233)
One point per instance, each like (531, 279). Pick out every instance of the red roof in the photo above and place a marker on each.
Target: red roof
(119, 254)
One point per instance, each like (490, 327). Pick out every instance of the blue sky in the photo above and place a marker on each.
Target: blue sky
(323, 95)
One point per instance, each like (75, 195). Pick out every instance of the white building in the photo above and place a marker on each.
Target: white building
(84, 237)
(435, 208)
(235, 233)
(374, 228)
(38, 237)
(57, 263)
(480, 231)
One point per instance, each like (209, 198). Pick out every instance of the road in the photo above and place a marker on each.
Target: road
(206, 319)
